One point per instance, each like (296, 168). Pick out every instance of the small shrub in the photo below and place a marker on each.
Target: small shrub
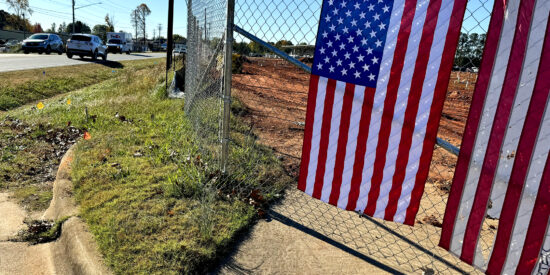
(237, 63)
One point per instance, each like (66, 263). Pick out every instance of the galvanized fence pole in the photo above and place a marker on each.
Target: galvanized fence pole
(227, 83)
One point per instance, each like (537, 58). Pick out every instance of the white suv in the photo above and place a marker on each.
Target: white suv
(86, 45)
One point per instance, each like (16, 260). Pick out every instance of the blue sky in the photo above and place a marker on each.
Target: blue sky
(47, 12)
(270, 20)
(297, 20)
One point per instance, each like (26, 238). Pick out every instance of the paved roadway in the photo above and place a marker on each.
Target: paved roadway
(15, 62)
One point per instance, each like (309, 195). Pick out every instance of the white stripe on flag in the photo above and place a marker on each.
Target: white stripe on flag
(521, 104)
(355, 119)
(529, 194)
(400, 107)
(378, 105)
(316, 136)
(333, 139)
(424, 108)
(482, 139)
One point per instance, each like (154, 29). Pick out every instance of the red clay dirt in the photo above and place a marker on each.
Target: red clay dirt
(275, 94)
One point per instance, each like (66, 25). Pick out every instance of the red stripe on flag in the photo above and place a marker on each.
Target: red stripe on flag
(498, 131)
(308, 132)
(451, 42)
(389, 104)
(525, 149)
(537, 226)
(325, 133)
(472, 124)
(412, 107)
(342, 143)
(364, 123)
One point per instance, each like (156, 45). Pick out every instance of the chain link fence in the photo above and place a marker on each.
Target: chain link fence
(266, 127)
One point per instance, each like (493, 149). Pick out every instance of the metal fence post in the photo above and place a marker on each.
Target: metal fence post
(227, 83)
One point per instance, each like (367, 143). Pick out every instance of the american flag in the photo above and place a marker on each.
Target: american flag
(379, 78)
(503, 170)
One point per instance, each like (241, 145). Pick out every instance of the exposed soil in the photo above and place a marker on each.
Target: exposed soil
(275, 94)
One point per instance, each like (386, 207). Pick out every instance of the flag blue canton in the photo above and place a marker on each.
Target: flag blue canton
(350, 40)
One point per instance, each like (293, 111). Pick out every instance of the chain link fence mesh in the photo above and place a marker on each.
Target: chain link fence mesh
(269, 96)
(206, 27)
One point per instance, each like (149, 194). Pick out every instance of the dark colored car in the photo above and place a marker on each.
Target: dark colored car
(43, 43)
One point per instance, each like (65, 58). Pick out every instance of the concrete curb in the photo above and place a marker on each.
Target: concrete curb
(75, 252)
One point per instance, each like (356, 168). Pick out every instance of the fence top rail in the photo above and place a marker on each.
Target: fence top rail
(442, 143)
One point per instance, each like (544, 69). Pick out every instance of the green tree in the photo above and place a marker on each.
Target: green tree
(20, 9)
(178, 38)
(101, 31)
(79, 27)
(52, 28)
(281, 43)
(62, 27)
(241, 48)
(469, 50)
(10, 21)
(256, 47)
(109, 22)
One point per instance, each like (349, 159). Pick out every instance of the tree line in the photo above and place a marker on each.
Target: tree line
(19, 21)
(245, 48)
(468, 53)
(469, 50)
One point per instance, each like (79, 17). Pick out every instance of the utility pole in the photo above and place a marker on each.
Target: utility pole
(24, 27)
(80, 8)
(73, 17)
(160, 29)
(170, 34)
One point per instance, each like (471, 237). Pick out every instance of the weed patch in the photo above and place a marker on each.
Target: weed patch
(40, 231)
(153, 198)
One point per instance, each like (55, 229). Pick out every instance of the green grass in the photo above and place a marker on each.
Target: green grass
(21, 87)
(148, 186)
(29, 151)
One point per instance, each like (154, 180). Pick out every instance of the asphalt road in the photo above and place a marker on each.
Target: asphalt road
(15, 62)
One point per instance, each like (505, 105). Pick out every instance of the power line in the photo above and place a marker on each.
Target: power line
(43, 9)
(59, 3)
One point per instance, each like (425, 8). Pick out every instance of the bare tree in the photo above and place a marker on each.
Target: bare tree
(143, 11)
(135, 17)
(20, 7)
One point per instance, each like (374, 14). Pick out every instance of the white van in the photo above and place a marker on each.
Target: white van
(119, 42)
